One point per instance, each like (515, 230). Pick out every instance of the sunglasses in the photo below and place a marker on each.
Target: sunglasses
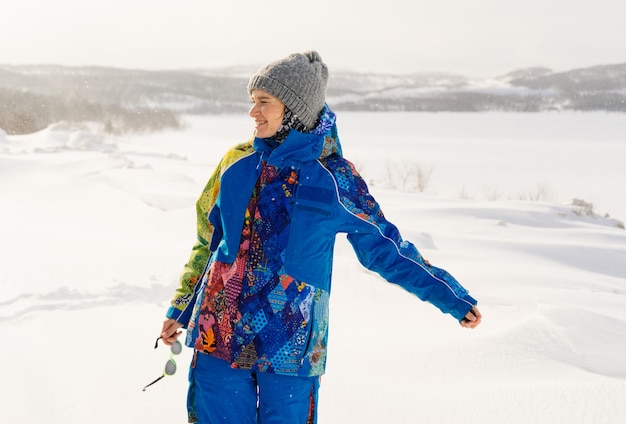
(170, 365)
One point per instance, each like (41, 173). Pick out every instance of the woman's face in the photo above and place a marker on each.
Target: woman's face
(267, 112)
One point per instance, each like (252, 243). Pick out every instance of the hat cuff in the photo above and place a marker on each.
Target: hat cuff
(285, 95)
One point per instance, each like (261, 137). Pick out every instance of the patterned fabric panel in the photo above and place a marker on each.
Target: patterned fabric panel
(253, 314)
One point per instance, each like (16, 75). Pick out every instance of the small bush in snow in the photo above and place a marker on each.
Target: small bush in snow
(582, 208)
(407, 175)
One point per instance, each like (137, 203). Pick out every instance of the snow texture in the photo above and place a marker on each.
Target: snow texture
(95, 230)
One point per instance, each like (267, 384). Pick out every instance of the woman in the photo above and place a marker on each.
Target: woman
(254, 294)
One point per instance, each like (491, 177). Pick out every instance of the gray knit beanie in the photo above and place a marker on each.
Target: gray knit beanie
(299, 81)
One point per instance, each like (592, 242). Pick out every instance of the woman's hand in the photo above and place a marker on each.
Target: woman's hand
(170, 331)
(472, 319)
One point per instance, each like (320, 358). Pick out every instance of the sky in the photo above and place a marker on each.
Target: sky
(472, 38)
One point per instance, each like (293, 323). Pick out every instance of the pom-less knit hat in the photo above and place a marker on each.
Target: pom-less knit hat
(299, 81)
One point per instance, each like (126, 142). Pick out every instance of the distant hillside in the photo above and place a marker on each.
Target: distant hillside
(526, 90)
(125, 100)
(32, 97)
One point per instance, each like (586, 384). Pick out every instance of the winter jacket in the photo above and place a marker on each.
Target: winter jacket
(255, 290)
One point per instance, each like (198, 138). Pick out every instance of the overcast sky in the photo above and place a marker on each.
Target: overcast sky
(469, 37)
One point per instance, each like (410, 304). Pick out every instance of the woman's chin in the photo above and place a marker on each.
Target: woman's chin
(264, 134)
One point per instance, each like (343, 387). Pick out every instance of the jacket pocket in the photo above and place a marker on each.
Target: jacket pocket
(311, 237)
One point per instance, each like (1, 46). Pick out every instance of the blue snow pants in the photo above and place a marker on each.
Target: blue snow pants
(220, 394)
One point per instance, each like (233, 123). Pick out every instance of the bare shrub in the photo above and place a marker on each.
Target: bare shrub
(465, 194)
(541, 193)
(492, 194)
(407, 175)
(582, 208)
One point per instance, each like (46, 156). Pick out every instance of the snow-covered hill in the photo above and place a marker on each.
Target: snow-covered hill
(130, 100)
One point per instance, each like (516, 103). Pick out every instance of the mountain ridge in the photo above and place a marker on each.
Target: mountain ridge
(127, 100)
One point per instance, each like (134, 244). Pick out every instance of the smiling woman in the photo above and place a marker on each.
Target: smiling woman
(254, 295)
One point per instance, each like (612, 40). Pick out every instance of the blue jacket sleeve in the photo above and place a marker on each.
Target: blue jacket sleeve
(400, 263)
(380, 248)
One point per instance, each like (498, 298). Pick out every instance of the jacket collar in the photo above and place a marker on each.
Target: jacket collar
(319, 143)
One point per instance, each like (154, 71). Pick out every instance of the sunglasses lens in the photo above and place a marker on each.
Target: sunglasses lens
(177, 347)
(170, 367)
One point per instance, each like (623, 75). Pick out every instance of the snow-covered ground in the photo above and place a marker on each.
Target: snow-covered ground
(94, 231)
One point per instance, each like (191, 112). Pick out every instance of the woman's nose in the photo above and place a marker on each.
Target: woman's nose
(253, 110)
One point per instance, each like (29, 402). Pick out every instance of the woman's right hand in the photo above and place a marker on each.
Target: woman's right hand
(472, 319)
(170, 331)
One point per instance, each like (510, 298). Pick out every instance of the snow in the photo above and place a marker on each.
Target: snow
(95, 230)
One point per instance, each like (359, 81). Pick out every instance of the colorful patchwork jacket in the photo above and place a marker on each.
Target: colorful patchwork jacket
(255, 290)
